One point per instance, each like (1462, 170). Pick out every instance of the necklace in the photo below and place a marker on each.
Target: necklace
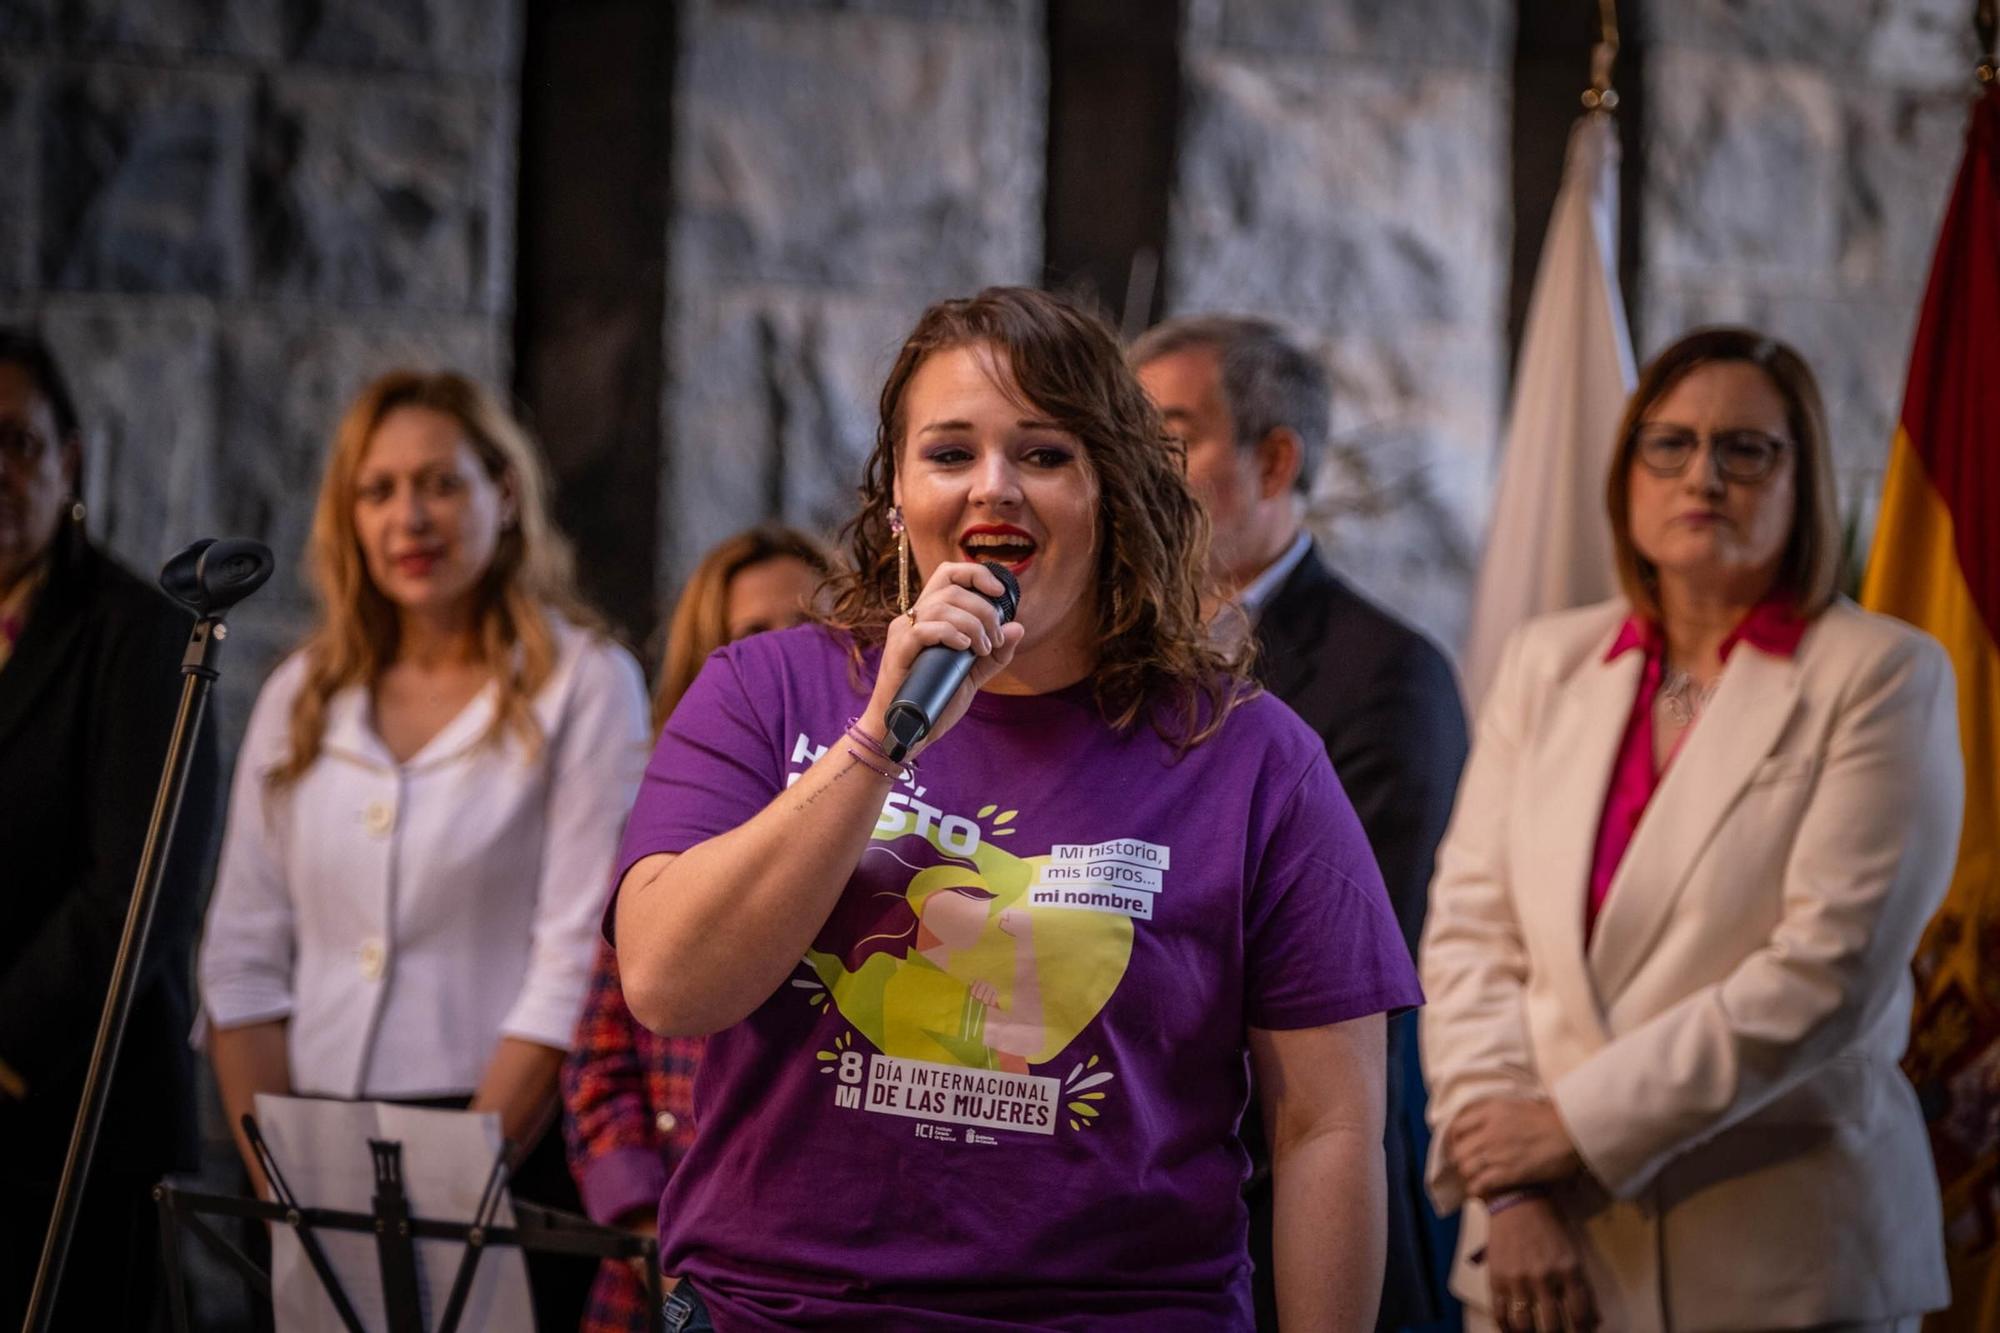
(1684, 701)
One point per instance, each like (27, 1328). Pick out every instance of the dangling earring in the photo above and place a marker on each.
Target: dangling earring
(76, 511)
(902, 563)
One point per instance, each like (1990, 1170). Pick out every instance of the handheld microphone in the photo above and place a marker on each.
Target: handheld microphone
(936, 675)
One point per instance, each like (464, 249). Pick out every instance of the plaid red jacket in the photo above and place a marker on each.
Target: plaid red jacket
(628, 1103)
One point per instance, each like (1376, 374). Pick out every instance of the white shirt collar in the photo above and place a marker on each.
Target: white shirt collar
(1261, 589)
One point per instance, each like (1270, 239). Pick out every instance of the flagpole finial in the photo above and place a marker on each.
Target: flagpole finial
(1600, 95)
(1986, 23)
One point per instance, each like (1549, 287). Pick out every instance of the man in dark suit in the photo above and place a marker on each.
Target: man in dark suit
(89, 685)
(1252, 406)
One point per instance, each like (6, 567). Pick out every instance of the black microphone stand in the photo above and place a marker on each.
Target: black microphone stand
(208, 578)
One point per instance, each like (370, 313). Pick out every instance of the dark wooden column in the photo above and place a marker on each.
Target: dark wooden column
(591, 285)
(1114, 110)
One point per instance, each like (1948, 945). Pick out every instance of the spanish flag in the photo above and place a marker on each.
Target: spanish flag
(1936, 563)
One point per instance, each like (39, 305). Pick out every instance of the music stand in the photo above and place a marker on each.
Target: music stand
(537, 1229)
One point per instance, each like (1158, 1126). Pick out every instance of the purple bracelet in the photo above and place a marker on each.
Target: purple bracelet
(1500, 1203)
(862, 738)
(861, 757)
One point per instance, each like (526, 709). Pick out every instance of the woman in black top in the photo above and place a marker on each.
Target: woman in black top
(89, 684)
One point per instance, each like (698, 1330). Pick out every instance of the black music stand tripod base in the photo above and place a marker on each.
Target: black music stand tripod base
(536, 1230)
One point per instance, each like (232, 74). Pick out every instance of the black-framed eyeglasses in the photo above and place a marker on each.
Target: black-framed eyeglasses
(1740, 455)
(20, 446)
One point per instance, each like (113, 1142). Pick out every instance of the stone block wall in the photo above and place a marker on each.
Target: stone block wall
(229, 213)
(837, 167)
(227, 217)
(1345, 167)
(1798, 167)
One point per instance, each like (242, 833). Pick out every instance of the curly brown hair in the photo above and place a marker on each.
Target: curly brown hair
(1157, 660)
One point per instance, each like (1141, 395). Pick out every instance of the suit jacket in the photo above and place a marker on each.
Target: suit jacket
(87, 704)
(1724, 1049)
(1383, 699)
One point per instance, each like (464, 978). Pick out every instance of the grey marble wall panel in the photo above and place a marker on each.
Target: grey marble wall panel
(142, 179)
(1744, 162)
(1375, 196)
(285, 379)
(144, 375)
(454, 37)
(1473, 33)
(380, 193)
(1800, 162)
(1401, 500)
(1344, 167)
(856, 149)
(226, 215)
(1880, 41)
(1892, 191)
(781, 409)
(242, 29)
(469, 37)
(991, 11)
(837, 167)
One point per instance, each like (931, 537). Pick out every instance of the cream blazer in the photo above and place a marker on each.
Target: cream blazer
(1724, 1052)
(405, 916)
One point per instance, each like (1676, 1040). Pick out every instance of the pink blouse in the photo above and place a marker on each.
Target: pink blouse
(1770, 627)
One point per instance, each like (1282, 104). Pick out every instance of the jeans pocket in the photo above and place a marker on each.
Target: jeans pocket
(684, 1312)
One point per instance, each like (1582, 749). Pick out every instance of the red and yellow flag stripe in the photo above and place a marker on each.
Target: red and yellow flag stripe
(1936, 563)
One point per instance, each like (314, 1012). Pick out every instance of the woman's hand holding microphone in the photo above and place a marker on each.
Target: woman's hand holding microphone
(954, 610)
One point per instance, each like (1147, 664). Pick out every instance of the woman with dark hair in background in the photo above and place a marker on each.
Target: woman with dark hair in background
(629, 1093)
(978, 1035)
(89, 685)
(1670, 933)
(428, 798)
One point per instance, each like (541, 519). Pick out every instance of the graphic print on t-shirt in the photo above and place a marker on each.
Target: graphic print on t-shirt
(968, 968)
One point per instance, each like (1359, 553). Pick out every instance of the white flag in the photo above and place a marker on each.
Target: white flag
(1548, 546)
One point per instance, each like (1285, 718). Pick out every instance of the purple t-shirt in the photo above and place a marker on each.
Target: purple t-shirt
(1003, 1086)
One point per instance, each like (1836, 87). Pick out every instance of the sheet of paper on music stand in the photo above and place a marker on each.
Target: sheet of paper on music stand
(322, 1149)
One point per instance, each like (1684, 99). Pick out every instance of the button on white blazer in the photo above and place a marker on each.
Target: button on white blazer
(1724, 1052)
(406, 916)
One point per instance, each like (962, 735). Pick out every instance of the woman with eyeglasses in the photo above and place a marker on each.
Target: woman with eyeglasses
(1668, 950)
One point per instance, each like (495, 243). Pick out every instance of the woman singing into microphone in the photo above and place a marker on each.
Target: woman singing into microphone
(977, 1023)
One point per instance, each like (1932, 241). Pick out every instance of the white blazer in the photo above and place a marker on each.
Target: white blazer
(1724, 1053)
(406, 916)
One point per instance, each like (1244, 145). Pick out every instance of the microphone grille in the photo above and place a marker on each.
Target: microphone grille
(1008, 602)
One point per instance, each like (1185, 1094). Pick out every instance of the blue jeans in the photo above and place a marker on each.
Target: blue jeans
(685, 1312)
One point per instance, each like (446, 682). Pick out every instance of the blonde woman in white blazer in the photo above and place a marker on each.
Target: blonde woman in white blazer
(1668, 946)
(429, 797)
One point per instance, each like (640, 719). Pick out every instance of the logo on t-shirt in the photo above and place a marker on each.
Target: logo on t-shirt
(971, 971)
